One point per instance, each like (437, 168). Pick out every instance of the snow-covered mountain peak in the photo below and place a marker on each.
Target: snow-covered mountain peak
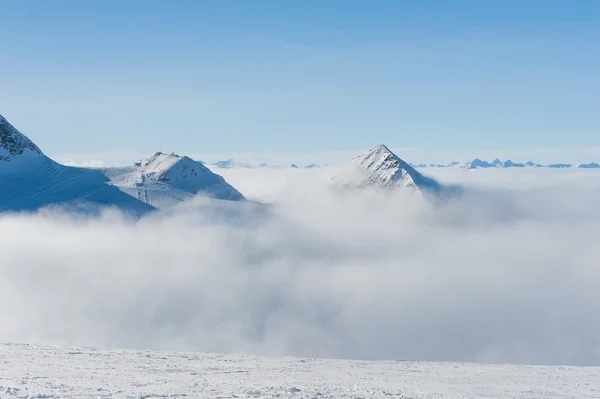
(379, 157)
(387, 169)
(164, 167)
(167, 179)
(14, 143)
(380, 167)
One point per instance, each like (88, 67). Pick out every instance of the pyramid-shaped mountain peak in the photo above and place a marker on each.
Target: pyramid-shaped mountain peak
(380, 167)
(388, 167)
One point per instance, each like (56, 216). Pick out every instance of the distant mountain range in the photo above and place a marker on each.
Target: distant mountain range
(474, 164)
(29, 180)
(232, 164)
(496, 163)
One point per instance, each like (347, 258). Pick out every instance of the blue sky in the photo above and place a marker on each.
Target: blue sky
(113, 79)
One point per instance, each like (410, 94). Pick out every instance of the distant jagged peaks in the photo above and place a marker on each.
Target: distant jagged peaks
(591, 165)
(380, 167)
(496, 163)
(560, 165)
(511, 164)
(230, 163)
(14, 143)
(478, 163)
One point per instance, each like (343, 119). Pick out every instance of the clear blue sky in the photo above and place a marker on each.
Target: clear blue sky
(219, 77)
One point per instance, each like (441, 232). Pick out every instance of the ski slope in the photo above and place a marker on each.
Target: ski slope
(32, 371)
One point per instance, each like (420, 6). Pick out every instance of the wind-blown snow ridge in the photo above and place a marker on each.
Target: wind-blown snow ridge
(13, 142)
(164, 180)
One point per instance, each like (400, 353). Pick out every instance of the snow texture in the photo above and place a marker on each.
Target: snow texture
(165, 180)
(32, 371)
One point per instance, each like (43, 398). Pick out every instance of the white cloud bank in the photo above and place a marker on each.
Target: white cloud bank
(507, 274)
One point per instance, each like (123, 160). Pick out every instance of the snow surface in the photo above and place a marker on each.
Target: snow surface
(32, 371)
(380, 167)
(30, 180)
(165, 180)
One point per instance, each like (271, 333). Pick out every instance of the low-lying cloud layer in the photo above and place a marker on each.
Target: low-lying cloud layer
(510, 273)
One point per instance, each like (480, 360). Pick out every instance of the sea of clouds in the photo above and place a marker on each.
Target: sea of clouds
(510, 272)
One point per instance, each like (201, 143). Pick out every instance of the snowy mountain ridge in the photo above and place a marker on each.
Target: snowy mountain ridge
(29, 180)
(164, 180)
(476, 163)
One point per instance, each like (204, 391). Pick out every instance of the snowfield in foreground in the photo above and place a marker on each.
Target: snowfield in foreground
(32, 371)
